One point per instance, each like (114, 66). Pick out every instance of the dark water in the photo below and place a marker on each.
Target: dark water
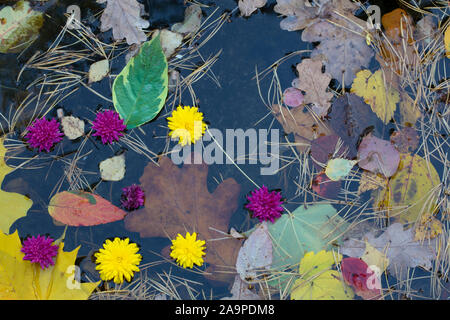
(246, 43)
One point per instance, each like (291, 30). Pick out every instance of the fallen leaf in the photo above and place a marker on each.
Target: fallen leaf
(383, 100)
(19, 27)
(315, 85)
(124, 17)
(378, 156)
(325, 148)
(241, 291)
(318, 281)
(427, 228)
(303, 125)
(406, 140)
(447, 41)
(303, 230)
(409, 112)
(180, 200)
(72, 127)
(325, 187)
(293, 97)
(370, 181)
(170, 41)
(192, 20)
(255, 255)
(374, 258)
(80, 208)
(98, 70)
(14, 205)
(113, 169)
(350, 118)
(247, 7)
(426, 30)
(400, 248)
(361, 278)
(22, 280)
(410, 191)
(339, 168)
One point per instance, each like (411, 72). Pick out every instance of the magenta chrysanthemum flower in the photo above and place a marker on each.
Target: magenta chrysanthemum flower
(108, 126)
(265, 205)
(132, 197)
(40, 250)
(43, 134)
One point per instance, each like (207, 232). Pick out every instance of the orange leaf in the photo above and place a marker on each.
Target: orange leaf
(80, 208)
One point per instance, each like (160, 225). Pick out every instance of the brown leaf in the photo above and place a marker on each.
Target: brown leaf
(406, 140)
(315, 84)
(303, 125)
(178, 201)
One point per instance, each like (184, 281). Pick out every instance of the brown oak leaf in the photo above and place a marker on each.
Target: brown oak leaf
(315, 84)
(178, 201)
(303, 125)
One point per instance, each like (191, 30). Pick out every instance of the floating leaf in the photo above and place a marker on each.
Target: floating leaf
(303, 125)
(170, 41)
(14, 205)
(339, 168)
(180, 201)
(406, 140)
(324, 148)
(370, 181)
(19, 27)
(378, 156)
(247, 7)
(363, 280)
(113, 169)
(124, 17)
(80, 208)
(140, 90)
(315, 83)
(304, 230)
(374, 258)
(428, 227)
(293, 97)
(447, 41)
(22, 280)
(241, 291)
(409, 112)
(255, 255)
(400, 248)
(192, 20)
(98, 70)
(371, 87)
(318, 281)
(324, 187)
(412, 187)
(72, 127)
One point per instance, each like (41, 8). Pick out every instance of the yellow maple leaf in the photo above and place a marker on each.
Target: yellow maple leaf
(22, 280)
(318, 281)
(372, 88)
(13, 205)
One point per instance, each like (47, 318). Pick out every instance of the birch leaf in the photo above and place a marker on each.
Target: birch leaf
(381, 99)
(339, 168)
(124, 17)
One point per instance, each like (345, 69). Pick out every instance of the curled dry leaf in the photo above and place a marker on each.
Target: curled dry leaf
(72, 127)
(303, 125)
(180, 201)
(378, 156)
(113, 169)
(247, 7)
(315, 83)
(192, 20)
(124, 17)
(255, 255)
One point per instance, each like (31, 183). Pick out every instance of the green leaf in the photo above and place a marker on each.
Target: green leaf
(305, 230)
(140, 90)
(18, 27)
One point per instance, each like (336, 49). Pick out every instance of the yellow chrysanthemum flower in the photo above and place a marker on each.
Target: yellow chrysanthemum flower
(186, 124)
(188, 251)
(118, 259)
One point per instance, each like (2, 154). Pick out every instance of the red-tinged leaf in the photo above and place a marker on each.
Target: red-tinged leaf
(324, 148)
(80, 208)
(362, 278)
(324, 187)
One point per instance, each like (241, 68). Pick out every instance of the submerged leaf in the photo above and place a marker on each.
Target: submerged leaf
(140, 90)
